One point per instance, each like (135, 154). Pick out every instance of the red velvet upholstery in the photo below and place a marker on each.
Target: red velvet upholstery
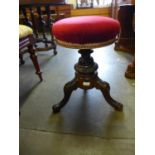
(86, 29)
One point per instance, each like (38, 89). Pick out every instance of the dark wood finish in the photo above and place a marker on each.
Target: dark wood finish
(42, 1)
(40, 25)
(22, 62)
(63, 11)
(40, 18)
(86, 78)
(29, 43)
(130, 71)
(114, 8)
(39, 15)
(126, 39)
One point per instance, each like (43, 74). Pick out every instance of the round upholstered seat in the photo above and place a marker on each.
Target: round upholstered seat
(24, 31)
(86, 31)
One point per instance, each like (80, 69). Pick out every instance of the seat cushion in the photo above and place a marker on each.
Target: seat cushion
(24, 31)
(86, 31)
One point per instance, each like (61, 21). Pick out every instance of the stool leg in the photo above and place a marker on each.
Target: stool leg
(68, 89)
(35, 61)
(105, 89)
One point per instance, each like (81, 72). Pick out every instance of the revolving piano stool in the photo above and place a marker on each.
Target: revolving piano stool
(85, 33)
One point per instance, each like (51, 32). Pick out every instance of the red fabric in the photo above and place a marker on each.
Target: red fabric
(86, 29)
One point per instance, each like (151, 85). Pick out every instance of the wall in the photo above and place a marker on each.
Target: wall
(72, 2)
(93, 11)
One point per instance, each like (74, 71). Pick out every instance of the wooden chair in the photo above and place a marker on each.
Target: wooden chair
(126, 39)
(38, 16)
(26, 40)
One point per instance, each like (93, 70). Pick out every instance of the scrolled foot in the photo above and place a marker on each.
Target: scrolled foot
(117, 106)
(105, 89)
(56, 108)
(68, 88)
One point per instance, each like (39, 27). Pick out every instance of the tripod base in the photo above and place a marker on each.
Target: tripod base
(86, 78)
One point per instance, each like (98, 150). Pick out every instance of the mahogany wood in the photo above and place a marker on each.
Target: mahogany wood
(130, 71)
(53, 2)
(38, 14)
(86, 78)
(126, 39)
(29, 42)
(33, 16)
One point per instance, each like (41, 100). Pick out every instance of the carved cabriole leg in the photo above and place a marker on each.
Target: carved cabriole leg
(105, 89)
(68, 89)
(35, 61)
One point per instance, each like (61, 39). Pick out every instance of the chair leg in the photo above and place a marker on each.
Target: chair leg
(22, 62)
(130, 71)
(35, 61)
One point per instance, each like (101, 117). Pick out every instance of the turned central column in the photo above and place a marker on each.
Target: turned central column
(86, 69)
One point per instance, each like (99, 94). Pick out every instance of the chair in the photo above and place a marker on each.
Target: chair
(38, 16)
(26, 40)
(126, 40)
(85, 33)
(130, 71)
